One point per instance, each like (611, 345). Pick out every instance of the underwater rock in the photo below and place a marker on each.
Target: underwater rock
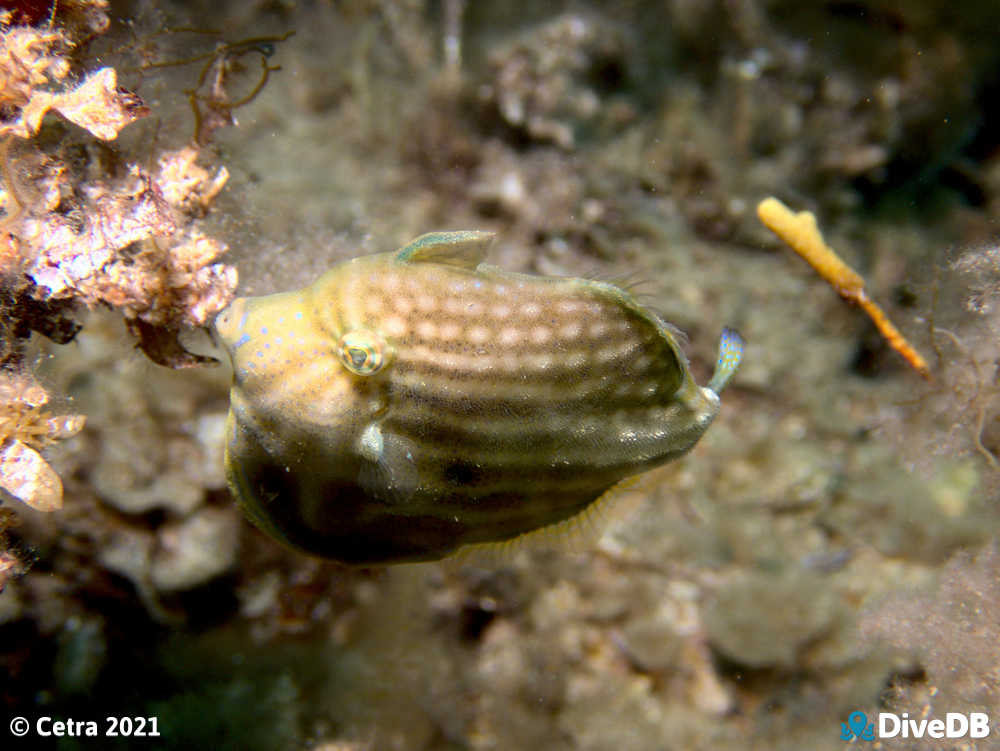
(195, 551)
(546, 84)
(750, 611)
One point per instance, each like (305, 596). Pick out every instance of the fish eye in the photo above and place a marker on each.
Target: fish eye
(362, 352)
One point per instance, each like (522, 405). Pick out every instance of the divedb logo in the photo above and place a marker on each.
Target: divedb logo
(890, 725)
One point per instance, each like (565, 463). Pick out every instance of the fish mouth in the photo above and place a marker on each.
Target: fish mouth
(229, 324)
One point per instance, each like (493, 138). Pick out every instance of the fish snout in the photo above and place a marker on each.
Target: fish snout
(229, 323)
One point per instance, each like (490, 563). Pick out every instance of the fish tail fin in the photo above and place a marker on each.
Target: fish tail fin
(731, 346)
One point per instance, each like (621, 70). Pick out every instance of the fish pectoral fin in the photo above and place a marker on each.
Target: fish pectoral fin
(388, 471)
(464, 249)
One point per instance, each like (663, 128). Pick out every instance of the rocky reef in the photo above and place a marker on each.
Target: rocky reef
(829, 546)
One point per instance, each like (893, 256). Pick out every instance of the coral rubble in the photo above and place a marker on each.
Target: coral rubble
(87, 226)
(547, 83)
(25, 427)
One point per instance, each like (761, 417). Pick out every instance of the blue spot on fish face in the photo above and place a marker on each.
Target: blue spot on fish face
(241, 341)
(263, 330)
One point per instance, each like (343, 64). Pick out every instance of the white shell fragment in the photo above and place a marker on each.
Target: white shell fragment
(26, 476)
(97, 105)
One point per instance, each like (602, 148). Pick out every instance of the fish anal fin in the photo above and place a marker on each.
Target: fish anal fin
(576, 534)
(464, 249)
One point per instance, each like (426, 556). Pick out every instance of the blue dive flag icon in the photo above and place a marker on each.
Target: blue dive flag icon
(857, 727)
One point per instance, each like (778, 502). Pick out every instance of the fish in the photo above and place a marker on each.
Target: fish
(406, 406)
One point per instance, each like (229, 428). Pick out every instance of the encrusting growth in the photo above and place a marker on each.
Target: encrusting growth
(26, 427)
(83, 226)
(803, 236)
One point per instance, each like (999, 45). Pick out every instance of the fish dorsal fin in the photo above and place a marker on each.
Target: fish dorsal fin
(465, 249)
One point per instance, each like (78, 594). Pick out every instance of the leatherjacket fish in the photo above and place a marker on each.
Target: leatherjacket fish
(408, 404)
